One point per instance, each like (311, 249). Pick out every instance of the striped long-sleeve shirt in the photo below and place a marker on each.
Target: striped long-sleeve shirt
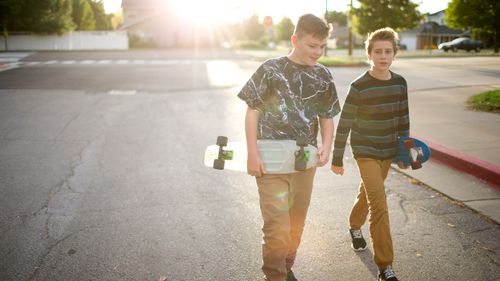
(375, 113)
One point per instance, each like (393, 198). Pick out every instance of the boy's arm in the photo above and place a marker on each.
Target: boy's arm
(255, 166)
(404, 115)
(346, 121)
(326, 129)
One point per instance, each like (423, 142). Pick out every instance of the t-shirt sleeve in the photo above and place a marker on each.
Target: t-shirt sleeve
(330, 102)
(256, 89)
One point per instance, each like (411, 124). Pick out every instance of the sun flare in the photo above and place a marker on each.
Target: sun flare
(207, 12)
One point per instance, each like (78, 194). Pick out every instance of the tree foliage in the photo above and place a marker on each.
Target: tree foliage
(375, 14)
(253, 28)
(482, 15)
(83, 15)
(284, 29)
(102, 20)
(52, 16)
(337, 17)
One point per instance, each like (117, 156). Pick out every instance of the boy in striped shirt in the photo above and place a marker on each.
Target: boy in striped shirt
(375, 114)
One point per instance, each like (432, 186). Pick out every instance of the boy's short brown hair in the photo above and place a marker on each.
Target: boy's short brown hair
(311, 24)
(382, 34)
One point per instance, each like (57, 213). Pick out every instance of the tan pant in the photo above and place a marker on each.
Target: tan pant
(371, 199)
(284, 201)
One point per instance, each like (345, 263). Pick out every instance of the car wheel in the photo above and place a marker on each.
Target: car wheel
(445, 50)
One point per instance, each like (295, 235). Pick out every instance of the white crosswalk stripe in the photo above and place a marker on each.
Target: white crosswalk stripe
(110, 62)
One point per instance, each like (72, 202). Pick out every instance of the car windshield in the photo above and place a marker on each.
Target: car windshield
(459, 40)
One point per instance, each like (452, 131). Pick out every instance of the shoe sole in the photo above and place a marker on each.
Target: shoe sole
(359, 249)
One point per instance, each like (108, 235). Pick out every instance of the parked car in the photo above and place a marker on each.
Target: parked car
(462, 43)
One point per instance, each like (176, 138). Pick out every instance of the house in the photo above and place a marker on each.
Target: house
(430, 33)
(156, 23)
(339, 38)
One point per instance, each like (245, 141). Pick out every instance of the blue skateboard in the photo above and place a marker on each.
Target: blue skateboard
(412, 152)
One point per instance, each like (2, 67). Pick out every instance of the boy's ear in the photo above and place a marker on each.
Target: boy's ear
(293, 39)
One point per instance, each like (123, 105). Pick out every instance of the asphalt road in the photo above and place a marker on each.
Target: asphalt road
(101, 178)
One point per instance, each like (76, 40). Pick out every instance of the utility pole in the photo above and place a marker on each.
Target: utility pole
(349, 24)
(326, 19)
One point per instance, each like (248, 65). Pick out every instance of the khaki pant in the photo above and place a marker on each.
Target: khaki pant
(284, 201)
(371, 200)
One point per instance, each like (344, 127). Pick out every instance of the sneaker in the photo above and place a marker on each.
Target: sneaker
(290, 276)
(358, 242)
(387, 274)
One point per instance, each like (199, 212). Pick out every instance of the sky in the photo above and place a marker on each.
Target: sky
(238, 9)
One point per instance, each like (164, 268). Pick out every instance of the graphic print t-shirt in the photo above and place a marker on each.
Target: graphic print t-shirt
(290, 97)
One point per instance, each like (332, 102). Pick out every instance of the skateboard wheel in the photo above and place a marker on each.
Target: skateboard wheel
(416, 165)
(219, 164)
(409, 143)
(221, 141)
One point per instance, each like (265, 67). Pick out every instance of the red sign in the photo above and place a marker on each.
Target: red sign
(268, 21)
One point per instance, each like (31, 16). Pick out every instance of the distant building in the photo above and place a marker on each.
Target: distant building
(154, 23)
(430, 34)
(339, 38)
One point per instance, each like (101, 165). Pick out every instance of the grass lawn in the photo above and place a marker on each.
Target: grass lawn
(342, 61)
(487, 101)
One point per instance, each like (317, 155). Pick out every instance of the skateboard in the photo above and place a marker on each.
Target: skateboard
(279, 156)
(412, 152)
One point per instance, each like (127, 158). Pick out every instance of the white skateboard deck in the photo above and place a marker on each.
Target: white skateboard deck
(279, 156)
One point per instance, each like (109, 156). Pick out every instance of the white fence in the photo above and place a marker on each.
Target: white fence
(78, 40)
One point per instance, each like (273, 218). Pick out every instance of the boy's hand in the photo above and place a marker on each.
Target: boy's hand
(255, 166)
(323, 157)
(338, 170)
(402, 165)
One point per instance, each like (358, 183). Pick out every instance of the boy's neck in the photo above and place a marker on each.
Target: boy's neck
(380, 74)
(294, 58)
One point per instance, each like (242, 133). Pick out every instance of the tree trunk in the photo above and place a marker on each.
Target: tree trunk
(5, 38)
(497, 39)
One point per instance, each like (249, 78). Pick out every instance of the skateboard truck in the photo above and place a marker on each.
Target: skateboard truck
(416, 154)
(223, 154)
(301, 156)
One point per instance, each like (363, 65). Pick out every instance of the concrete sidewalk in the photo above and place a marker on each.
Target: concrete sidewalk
(465, 163)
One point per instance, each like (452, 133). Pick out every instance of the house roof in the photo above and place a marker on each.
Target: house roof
(143, 4)
(435, 29)
(129, 25)
(437, 13)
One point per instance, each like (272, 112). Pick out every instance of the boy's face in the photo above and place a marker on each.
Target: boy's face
(308, 49)
(382, 55)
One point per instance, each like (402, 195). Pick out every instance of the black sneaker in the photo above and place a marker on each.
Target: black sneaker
(358, 242)
(290, 276)
(387, 274)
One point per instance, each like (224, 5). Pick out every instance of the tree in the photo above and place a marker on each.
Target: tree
(116, 19)
(284, 29)
(253, 29)
(375, 14)
(40, 16)
(482, 15)
(337, 17)
(9, 15)
(82, 15)
(102, 20)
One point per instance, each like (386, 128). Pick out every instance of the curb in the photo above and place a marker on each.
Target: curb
(457, 160)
